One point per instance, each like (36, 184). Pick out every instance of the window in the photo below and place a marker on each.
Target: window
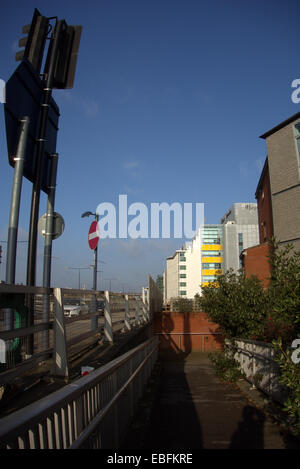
(241, 244)
(211, 253)
(182, 292)
(182, 275)
(182, 284)
(214, 265)
(208, 278)
(182, 267)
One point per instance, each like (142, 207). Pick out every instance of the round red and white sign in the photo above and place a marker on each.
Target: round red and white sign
(94, 235)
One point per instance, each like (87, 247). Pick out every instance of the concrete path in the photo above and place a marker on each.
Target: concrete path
(195, 410)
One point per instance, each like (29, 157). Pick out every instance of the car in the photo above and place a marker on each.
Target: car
(71, 311)
(100, 307)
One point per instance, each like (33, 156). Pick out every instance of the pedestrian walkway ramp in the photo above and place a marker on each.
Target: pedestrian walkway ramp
(195, 410)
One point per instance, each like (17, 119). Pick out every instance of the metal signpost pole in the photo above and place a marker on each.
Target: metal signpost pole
(94, 320)
(36, 190)
(14, 214)
(15, 203)
(48, 244)
(31, 264)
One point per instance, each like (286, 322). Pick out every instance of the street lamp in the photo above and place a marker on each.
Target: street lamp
(79, 269)
(110, 279)
(84, 215)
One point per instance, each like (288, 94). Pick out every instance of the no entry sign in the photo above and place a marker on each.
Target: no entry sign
(94, 235)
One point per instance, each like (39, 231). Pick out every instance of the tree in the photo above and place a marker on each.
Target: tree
(283, 293)
(160, 283)
(237, 304)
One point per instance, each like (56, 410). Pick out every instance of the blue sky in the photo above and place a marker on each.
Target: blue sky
(169, 101)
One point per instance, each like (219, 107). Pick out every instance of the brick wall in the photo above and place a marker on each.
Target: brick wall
(256, 262)
(264, 206)
(182, 333)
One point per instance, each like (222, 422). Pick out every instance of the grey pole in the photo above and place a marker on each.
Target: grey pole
(15, 203)
(49, 228)
(14, 214)
(36, 187)
(94, 319)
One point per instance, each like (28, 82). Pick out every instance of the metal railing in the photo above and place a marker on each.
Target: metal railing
(31, 337)
(256, 360)
(92, 412)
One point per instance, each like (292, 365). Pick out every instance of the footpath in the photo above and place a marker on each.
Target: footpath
(194, 410)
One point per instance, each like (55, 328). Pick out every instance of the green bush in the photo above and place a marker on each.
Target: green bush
(290, 378)
(226, 367)
(243, 309)
(237, 304)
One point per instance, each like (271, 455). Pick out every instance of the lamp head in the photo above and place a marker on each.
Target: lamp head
(86, 214)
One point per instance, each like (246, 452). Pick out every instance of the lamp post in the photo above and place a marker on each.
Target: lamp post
(110, 279)
(94, 320)
(87, 214)
(79, 269)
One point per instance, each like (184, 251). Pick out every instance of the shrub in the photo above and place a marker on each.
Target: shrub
(238, 305)
(226, 367)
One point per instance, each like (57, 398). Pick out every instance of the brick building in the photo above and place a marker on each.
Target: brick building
(283, 148)
(256, 262)
(278, 196)
(264, 205)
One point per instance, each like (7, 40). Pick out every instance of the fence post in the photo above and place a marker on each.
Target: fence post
(137, 311)
(108, 330)
(144, 312)
(60, 357)
(127, 315)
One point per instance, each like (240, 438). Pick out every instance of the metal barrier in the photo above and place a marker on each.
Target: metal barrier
(92, 412)
(256, 360)
(30, 337)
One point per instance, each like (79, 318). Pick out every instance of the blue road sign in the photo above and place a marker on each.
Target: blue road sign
(24, 95)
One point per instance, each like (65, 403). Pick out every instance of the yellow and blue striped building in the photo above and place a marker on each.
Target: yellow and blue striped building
(211, 253)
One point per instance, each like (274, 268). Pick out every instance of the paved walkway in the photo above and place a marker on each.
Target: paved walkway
(195, 410)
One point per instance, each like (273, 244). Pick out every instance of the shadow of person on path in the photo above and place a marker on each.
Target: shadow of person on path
(174, 420)
(250, 432)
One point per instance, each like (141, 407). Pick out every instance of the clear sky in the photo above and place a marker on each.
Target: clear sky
(169, 101)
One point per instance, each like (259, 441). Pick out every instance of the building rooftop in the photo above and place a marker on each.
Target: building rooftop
(281, 125)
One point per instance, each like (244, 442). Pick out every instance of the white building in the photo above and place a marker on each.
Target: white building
(214, 250)
(175, 276)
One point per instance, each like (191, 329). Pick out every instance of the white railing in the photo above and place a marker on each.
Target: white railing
(92, 412)
(256, 360)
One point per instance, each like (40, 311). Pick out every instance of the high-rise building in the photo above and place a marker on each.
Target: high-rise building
(197, 264)
(214, 249)
(175, 276)
(240, 231)
(211, 253)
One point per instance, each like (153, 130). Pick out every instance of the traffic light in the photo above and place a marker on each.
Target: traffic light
(67, 53)
(34, 42)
